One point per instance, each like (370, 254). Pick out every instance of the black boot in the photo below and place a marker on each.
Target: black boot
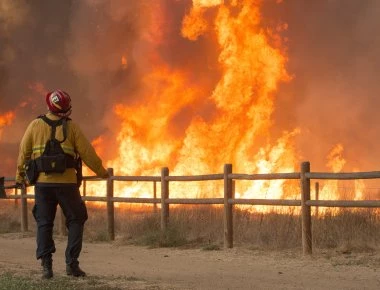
(47, 267)
(74, 270)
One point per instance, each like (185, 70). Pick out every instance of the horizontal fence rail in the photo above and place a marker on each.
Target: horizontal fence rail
(263, 176)
(195, 177)
(343, 175)
(277, 202)
(228, 201)
(135, 178)
(344, 203)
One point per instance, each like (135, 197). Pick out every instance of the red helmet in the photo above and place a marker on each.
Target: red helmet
(59, 103)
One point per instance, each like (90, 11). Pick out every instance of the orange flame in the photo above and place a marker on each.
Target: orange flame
(359, 189)
(124, 62)
(335, 163)
(164, 129)
(5, 120)
(178, 123)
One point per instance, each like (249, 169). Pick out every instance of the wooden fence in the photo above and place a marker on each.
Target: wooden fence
(305, 176)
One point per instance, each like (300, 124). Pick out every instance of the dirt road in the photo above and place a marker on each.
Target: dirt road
(143, 268)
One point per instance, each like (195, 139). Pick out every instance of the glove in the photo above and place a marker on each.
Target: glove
(106, 175)
(20, 185)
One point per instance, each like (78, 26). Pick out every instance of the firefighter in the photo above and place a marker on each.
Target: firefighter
(53, 188)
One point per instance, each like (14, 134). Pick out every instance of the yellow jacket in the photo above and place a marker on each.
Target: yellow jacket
(76, 144)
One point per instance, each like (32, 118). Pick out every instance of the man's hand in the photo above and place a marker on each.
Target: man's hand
(20, 185)
(106, 175)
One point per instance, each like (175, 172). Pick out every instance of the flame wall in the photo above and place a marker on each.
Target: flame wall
(196, 84)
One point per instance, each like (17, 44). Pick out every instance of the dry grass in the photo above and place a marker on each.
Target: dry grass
(348, 230)
(201, 226)
(9, 217)
(188, 226)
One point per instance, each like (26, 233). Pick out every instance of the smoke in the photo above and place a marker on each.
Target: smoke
(73, 45)
(333, 97)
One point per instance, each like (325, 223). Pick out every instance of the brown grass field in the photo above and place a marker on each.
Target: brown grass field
(267, 251)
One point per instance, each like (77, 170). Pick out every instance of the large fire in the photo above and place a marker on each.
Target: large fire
(237, 128)
(196, 124)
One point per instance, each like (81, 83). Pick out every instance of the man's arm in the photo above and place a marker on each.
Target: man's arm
(87, 153)
(25, 153)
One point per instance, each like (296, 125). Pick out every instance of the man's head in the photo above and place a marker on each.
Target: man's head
(59, 103)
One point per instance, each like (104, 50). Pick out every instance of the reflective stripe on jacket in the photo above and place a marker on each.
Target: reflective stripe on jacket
(76, 144)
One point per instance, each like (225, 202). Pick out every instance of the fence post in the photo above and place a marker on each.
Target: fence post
(306, 212)
(164, 195)
(228, 217)
(155, 196)
(24, 210)
(316, 198)
(110, 206)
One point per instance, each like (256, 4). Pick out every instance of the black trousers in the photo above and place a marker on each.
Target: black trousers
(46, 200)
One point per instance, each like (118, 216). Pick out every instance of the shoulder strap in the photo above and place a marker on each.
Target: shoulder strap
(53, 124)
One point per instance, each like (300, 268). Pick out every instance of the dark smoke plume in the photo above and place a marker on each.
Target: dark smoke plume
(334, 96)
(73, 45)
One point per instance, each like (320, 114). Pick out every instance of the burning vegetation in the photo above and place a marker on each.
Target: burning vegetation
(6, 120)
(190, 85)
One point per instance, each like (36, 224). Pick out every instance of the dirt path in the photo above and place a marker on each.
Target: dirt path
(237, 268)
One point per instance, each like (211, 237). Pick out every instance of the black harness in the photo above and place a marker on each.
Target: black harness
(54, 159)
